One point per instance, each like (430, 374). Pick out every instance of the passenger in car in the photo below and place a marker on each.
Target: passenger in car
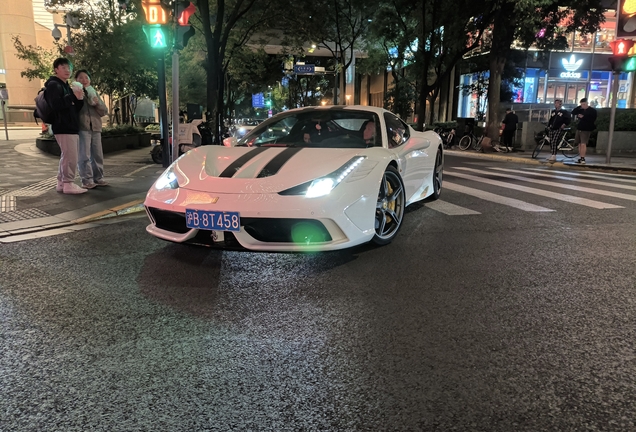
(368, 133)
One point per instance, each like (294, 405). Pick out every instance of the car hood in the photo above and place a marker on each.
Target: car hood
(258, 170)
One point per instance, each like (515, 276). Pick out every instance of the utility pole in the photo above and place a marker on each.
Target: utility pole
(175, 85)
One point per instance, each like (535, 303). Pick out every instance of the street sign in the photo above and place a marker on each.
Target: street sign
(4, 94)
(305, 69)
(258, 100)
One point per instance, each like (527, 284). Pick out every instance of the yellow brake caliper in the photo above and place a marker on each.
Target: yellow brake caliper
(391, 204)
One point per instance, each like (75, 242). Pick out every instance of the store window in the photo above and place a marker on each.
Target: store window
(605, 35)
(583, 42)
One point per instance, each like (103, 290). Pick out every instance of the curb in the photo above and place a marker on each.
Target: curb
(121, 210)
(529, 161)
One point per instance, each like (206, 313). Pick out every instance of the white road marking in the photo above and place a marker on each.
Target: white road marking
(557, 185)
(449, 208)
(487, 196)
(7, 203)
(534, 191)
(614, 177)
(579, 180)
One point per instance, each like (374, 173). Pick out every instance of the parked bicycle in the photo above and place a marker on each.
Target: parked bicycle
(566, 146)
(470, 140)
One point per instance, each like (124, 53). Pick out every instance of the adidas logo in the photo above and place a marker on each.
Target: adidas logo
(572, 64)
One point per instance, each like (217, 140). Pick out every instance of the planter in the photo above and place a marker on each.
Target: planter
(110, 143)
(622, 142)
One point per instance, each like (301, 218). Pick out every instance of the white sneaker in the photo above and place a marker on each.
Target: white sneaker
(59, 187)
(73, 189)
(552, 159)
(89, 186)
(101, 182)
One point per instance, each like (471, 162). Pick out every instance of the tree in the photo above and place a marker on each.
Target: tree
(533, 22)
(40, 59)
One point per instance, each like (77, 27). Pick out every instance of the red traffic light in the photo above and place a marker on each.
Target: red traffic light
(621, 47)
(185, 10)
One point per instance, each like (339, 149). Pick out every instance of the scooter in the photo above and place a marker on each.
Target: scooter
(189, 138)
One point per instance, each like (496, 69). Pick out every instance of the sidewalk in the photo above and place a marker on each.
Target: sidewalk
(29, 203)
(593, 162)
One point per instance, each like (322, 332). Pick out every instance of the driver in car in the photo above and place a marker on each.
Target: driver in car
(368, 134)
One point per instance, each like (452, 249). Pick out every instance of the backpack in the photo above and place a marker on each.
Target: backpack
(43, 109)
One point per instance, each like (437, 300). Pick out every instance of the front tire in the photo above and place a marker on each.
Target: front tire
(539, 147)
(389, 210)
(438, 172)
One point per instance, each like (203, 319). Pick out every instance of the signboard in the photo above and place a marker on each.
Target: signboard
(4, 94)
(304, 69)
(258, 100)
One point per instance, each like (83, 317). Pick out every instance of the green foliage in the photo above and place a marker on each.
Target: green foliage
(40, 59)
(445, 125)
(625, 119)
(121, 130)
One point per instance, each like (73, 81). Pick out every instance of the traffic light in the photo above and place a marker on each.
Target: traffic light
(185, 10)
(626, 21)
(621, 60)
(184, 33)
(155, 13)
(156, 36)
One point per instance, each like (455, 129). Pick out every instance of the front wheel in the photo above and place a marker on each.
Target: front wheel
(570, 150)
(438, 172)
(464, 143)
(543, 143)
(389, 210)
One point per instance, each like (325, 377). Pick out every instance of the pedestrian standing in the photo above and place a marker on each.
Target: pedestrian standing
(91, 154)
(66, 103)
(559, 119)
(586, 116)
(510, 128)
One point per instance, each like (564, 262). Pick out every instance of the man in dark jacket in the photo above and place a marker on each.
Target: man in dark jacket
(66, 103)
(559, 119)
(510, 127)
(586, 116)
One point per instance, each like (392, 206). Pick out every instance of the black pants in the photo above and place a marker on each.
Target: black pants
(508, 137)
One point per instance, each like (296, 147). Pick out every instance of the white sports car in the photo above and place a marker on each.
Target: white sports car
(309, 179)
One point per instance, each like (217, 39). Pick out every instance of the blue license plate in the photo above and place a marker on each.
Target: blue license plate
(213, 220)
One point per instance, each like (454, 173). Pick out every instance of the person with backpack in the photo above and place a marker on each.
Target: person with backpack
(66, 103)
(91, 154)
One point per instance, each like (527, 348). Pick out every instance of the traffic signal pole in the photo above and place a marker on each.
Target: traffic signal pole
(163, 110)
(175, 84)
(615, 78)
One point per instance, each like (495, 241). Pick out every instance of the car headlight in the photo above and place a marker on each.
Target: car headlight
(167, 180)
(324, 185)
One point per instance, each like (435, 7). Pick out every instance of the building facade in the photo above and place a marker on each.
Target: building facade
(32, 23)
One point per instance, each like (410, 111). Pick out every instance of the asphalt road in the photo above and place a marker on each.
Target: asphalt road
(479, 317)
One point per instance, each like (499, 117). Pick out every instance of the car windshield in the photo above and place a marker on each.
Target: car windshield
(320, 128)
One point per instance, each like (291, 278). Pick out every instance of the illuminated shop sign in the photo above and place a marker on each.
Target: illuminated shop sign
(571, 65)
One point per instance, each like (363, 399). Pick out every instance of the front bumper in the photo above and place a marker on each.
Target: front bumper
(269, 222)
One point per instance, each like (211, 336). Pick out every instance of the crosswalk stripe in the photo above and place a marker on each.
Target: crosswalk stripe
(450, 208)
(607, 176)
(579, 180)
(487, 196)
(562, 197)
(558, 185)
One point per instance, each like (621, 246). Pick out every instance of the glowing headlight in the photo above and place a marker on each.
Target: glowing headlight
(324, 186)
(168, 180)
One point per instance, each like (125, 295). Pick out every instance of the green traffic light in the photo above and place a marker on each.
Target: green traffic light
(156, 36)
(630, 65)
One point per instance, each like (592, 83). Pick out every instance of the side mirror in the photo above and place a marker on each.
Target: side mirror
(230, 142)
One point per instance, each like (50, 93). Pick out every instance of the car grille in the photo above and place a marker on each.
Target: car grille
(169, 221)
(268, 230)
(272, 230)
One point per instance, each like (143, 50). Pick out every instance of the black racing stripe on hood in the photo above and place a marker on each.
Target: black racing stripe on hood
(237, 164)
(278, 161)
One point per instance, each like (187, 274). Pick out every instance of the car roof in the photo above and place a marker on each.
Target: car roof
(373, 109)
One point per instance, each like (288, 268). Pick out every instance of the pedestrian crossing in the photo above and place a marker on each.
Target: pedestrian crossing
(599, 191)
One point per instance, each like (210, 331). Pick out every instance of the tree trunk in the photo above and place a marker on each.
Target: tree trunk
(494, 94)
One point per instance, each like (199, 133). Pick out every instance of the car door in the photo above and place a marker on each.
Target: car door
(411, 154)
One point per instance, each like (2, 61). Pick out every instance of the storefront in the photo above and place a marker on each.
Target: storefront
(562, 75)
